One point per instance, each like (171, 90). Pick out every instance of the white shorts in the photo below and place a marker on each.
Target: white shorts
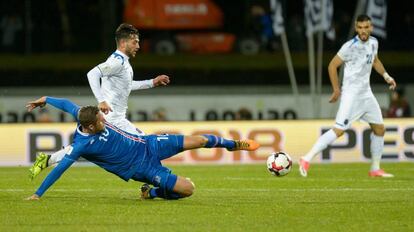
(353, 107)
(122, 123)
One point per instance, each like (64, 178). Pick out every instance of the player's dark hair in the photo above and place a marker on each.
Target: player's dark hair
(363, 18)
(88, 115)
(124, 31)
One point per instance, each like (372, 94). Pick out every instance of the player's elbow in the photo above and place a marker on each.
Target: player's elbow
(94, 74)
(332, 67)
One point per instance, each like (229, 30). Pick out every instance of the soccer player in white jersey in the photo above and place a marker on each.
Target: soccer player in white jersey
(358, 55)
(116, 75)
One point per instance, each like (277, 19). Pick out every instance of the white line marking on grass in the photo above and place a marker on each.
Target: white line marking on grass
(318, 179)
(311, 190)
(238, 190)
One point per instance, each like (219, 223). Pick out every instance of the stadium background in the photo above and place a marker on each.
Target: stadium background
(58, 42)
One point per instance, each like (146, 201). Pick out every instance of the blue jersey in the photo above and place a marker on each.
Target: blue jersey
(113, 149)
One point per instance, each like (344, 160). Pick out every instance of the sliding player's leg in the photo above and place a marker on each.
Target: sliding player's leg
(210, 141)
(44, 160)
(168, 185)
(175, 188)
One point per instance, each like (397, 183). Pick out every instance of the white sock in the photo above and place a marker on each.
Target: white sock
(377, 146)
(323, 142)
(58, 156)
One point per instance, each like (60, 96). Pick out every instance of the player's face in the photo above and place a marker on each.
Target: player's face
(363, 29)
(132, 46)
(100, 123)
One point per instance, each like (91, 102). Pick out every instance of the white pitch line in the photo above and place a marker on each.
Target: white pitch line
(362, 179)
(238, 190)
(314, 190)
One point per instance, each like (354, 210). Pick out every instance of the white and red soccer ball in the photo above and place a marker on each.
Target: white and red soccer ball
(279, 163)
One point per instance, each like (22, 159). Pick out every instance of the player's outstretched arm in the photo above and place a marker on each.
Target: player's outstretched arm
(160, 80)
(59, 103)
(333, 76)
(53, 176)
(379, 67)
(41, 102)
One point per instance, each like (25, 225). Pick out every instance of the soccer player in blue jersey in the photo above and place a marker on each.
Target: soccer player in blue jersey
(127, 155)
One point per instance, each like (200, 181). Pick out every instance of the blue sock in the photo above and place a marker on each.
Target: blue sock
(156, 192)
(173, 196)
(161, 193)
(215, 141)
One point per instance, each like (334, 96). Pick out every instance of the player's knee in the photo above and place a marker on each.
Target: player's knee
(338, 132)
(189, 188)
(379, 131)
(202, 141)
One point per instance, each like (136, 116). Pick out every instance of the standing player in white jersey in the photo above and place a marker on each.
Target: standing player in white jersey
(358, 55)
(116, 75)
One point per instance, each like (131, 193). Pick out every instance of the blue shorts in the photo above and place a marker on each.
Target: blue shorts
(160, 147)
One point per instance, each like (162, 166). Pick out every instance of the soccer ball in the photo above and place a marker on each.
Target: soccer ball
(279, 163)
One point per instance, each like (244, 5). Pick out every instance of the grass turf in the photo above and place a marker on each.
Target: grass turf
(335, 197)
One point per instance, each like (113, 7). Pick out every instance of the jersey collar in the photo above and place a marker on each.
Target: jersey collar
(81, 132)
(122, 54)
(356, 38)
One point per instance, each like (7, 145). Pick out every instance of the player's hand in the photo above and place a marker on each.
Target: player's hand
(335, 95)
(33, 197)
(392, 83)
(161, 80)
(104, 107)
(37, 103)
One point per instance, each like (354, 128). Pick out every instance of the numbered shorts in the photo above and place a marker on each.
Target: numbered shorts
(354, 108)
(161, 147)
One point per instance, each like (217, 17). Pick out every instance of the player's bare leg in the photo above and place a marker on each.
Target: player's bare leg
(183, 187)
(210, 141)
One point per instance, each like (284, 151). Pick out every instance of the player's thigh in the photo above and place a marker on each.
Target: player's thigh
(348, 112)
(373, 113)
(165, 146)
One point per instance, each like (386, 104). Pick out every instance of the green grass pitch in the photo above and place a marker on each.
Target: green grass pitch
(334, 197)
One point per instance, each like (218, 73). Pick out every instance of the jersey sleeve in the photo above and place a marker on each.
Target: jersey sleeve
(111, 66)
(64, 105)
(57, 172)
(94, 78)
(344, 52)
(147, 84)
(376, 45)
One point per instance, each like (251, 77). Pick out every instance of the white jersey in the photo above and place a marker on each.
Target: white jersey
(116, 75)
(358, 57)
(357, 100)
